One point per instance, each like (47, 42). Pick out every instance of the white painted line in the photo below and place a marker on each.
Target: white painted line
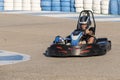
(69, 15)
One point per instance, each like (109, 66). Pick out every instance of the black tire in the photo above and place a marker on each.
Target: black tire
(101, 39)
(109, 46)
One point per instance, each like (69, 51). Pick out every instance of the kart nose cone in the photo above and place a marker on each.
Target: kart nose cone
(76, 50)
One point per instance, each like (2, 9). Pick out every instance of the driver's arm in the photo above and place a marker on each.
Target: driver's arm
(90, 31)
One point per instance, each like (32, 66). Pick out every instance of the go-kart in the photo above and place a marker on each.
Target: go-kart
(69, 46)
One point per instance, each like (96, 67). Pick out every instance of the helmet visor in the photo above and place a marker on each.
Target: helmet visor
(84, 20)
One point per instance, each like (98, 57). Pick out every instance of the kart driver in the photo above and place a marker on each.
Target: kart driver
(88, 37)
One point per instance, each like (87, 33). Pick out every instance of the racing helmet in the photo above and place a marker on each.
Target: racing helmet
(59, 40)
(85, 20)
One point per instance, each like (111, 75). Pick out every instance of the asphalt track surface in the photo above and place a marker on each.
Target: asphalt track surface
(32, 35)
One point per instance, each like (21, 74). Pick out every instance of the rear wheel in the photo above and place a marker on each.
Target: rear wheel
(101, 39)
(109, 45)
